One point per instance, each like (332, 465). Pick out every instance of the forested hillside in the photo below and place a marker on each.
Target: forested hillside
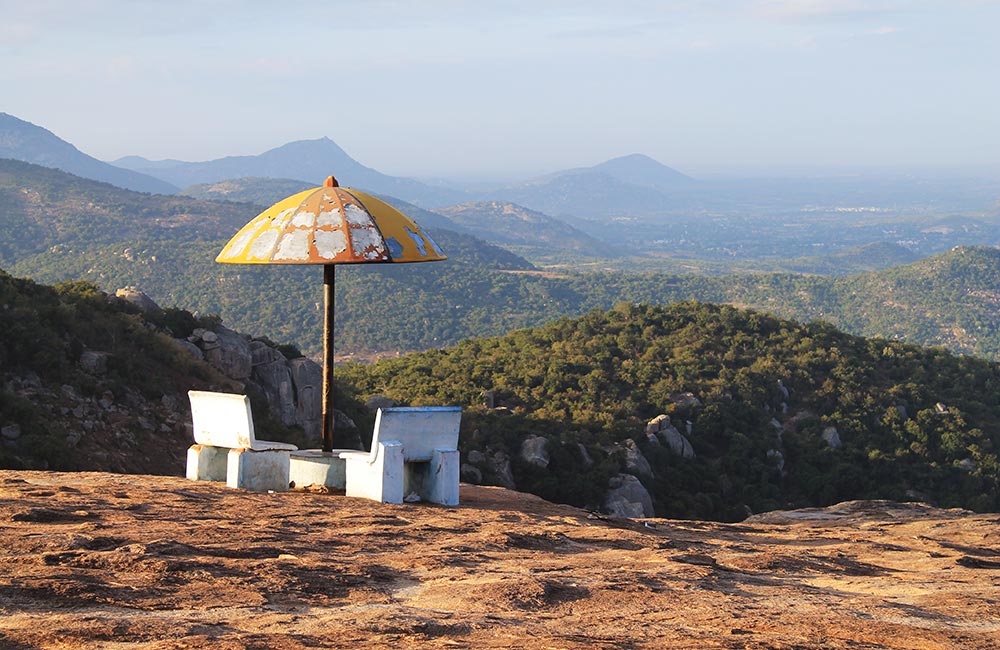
(777, 414)
(56, 227)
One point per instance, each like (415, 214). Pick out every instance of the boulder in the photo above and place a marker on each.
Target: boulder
(685, 400)
(270, 372)
(11, 432)
(635, 462)
(471, 474)
(231, 356)
(533, 450)
(376, 402)
(778, 459)
(627, 497)
(832, 437)
(677, 442)
(189, 348)
(500, 466)
(658, 423)
(476, 457)
(584, 455)
(96, 363)
(135, 297)
(307, 380)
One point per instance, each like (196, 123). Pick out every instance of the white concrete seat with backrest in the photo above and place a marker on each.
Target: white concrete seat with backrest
(414, 452)
(225, 448)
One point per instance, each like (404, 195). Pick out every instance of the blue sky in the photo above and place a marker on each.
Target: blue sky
(512, 87)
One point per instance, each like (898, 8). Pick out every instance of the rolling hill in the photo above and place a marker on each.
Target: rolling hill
(21, 140)
(531, 234)
(57, 227)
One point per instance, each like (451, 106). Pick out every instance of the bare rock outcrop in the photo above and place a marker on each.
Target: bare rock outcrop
(533, 450)
(635, 461)
(672, 438)
(627, 497)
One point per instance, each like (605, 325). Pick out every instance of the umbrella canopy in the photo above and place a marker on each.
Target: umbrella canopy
(330, 225)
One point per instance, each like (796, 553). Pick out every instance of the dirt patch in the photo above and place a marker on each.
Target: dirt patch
(95, 560)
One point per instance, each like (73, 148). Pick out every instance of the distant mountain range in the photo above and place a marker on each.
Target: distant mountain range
(309, 161)
(21, 140)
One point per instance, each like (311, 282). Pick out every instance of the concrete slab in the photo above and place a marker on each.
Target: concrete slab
(317, 467)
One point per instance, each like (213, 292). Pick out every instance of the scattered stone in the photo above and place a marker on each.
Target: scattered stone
(584, 455)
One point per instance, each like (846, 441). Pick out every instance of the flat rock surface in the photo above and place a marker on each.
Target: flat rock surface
(94, 560)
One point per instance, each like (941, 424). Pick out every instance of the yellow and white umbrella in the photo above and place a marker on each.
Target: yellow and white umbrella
(330, 225)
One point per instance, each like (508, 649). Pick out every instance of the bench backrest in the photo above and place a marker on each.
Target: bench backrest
(420, 429)
(221, 419)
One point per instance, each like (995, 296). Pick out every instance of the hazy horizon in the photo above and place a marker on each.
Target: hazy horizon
(511, 89)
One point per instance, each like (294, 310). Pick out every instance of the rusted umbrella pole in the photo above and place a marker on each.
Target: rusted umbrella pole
(329, 273)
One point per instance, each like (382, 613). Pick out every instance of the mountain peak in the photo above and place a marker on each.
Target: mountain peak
(640, 169)
(27, 142)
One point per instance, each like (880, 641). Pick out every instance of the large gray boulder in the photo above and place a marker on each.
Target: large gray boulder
(307, 380)
(145, 304)
(533, 450)
(674, 439)
(635, 462)
(270, 372)
(229, 352)
(627, 497)
(499, 464)
(832, 437)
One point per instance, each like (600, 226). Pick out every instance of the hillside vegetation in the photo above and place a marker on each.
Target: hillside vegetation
(56, 227)
(778, 414)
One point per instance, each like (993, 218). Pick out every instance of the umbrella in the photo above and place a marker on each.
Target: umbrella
(330, 225)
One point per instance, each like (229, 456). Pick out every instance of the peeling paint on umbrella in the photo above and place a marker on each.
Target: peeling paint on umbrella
(330, 225)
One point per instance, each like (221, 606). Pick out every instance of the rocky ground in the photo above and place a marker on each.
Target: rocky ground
(94, 560)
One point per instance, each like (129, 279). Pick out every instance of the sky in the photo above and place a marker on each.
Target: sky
(506, 88)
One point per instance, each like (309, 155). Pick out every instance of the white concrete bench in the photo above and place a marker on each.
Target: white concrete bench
(414, 451)
(225, 448)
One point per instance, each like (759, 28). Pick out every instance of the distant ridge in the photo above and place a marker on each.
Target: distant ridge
(632, 184)
(27, 142)
(509, 224)
(310, 161)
